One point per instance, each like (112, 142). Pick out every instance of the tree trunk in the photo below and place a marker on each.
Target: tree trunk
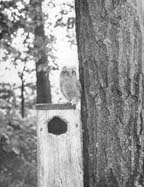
(22, 99)
(110, 45)
(43, 83)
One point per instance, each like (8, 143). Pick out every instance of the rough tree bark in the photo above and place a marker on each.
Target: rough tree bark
(110, 45)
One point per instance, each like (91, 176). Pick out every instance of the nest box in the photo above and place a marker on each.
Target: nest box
(59, 146)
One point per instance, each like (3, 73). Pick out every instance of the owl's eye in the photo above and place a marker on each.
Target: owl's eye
(73, 73)
(65, 73)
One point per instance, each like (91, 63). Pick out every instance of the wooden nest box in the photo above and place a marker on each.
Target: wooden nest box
(59, 146)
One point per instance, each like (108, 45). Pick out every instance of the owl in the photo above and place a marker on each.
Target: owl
(70, 85)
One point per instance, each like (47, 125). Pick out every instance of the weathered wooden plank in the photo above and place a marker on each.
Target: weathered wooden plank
(59, 156)
(48, 106)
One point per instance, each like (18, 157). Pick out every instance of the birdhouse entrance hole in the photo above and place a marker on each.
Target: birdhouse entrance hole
(57, 126)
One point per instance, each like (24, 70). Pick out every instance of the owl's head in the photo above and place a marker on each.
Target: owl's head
(68, 71)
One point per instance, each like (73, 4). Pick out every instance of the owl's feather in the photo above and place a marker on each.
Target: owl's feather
(70, 86)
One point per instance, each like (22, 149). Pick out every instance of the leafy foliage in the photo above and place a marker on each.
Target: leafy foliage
(17, 150)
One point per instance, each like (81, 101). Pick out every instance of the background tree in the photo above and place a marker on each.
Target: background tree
(110, 43)
(45, 40)
(24, 71)
(40, 53)
(17, 135)
(16, 40)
